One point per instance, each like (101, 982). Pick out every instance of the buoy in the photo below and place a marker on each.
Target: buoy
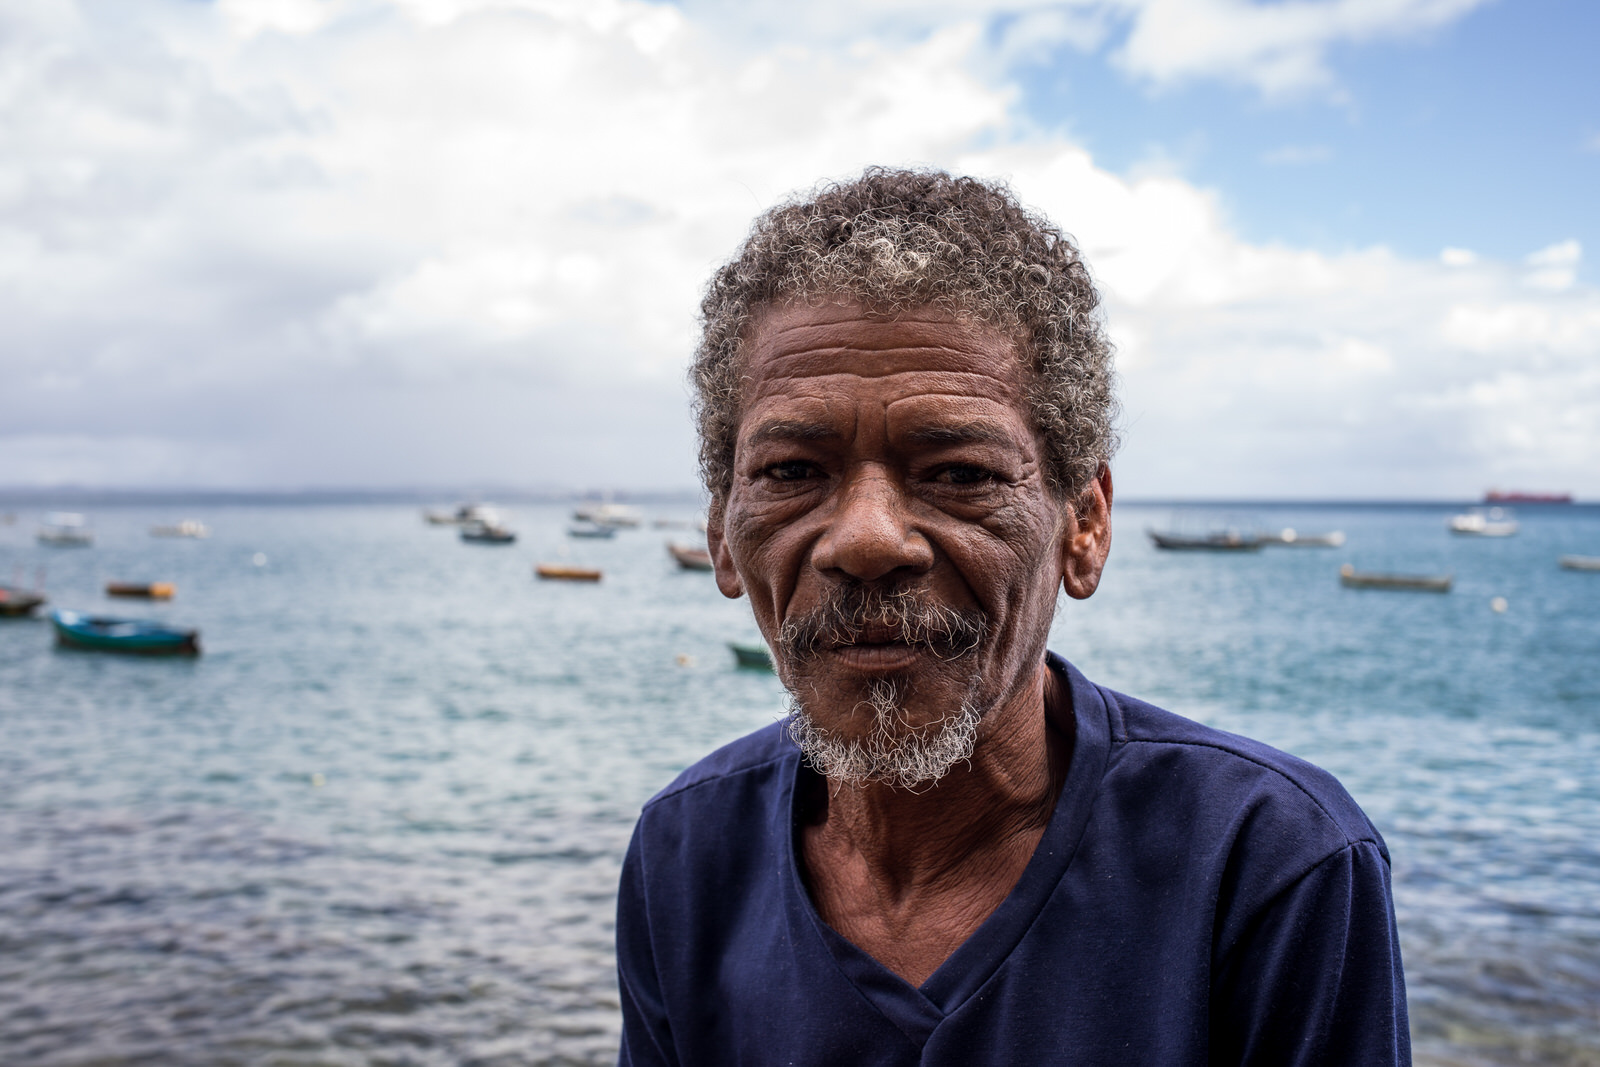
(259, 559)
(1498, 604)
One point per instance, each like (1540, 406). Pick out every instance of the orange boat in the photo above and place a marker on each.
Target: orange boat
(566, 573)
(145, 590)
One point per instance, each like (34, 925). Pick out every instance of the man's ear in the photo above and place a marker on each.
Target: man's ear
(1086, 541)
(721, 559)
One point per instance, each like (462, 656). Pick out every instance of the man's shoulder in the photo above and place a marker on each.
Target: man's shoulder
(1233, 769)
(729, 765)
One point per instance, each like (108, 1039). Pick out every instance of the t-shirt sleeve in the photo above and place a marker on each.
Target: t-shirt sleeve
(1315, 979)
(646, 1036)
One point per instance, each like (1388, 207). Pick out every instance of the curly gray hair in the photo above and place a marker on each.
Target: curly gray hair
(900, 239)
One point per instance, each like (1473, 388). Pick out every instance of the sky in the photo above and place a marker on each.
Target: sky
(1347, 247)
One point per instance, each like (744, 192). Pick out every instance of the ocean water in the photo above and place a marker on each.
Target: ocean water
(379, 820)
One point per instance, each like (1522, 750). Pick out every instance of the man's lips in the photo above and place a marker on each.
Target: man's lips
(876, 656)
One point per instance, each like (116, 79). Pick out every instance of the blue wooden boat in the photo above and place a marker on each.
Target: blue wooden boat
(103, 633)
(751, 655)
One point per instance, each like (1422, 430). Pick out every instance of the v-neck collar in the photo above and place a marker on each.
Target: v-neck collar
(916, 1011)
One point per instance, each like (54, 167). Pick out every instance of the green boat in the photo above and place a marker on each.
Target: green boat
(144, 637)
(751, 655)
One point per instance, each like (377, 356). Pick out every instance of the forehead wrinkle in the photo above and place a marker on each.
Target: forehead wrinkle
(850, 359)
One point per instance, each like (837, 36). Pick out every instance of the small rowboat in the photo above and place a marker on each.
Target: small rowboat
(1224, 541)
(563, 572)
(591, 529)
(751, 655)
(487, 533)
(1351, 578)
(64, 529)
(1295, 539)
(689, 557)
(144, 637)
(186, 528)
(147, 590)
(15, 603)
(1580, 563)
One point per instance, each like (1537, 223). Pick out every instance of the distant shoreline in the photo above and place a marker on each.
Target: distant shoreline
(81, 497)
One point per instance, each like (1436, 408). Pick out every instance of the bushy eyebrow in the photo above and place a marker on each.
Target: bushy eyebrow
(793, 430)
(983, 433)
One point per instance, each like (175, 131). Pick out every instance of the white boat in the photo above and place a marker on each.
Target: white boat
(65, 529)
(487, 532)
(1477, 523)
(1580, 563)
(460, 515)
(590, 528)
(1294, 538)
(607, 515)
(186, 528)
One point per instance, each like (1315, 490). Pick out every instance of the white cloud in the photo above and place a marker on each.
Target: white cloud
(1458, 257)
(463, 242)
(1555, 268)
(1277, 48)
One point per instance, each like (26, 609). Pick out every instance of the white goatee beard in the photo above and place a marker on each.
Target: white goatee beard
(892, 753)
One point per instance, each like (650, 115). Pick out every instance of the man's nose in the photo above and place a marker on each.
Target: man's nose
(871, 535)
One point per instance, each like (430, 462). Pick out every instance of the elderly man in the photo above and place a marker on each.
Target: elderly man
(957, 849)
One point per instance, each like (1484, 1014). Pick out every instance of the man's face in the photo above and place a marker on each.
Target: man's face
(890, 519)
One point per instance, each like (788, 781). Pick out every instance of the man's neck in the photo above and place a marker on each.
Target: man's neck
(908, 876)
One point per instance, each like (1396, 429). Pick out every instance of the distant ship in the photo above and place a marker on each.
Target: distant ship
(1495, 496)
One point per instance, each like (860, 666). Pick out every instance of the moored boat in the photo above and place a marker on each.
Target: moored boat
(1351, 578)
(487, 533)
(1495, 523)
(690, 557)
(1295, 539)
(587, 528)
(1580, 563)
(1495, 496)
(565, 572)
(750, 654)
(607, 515)
(16, 603)
(1220, 541)
(145, 590)
(65, 529)
(145, 637)
(186, 528)
(460, 515)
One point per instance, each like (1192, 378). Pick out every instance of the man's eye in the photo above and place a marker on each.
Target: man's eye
(791, 471)
(965, 474)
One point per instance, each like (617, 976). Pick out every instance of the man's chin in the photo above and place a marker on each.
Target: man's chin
(879, 738)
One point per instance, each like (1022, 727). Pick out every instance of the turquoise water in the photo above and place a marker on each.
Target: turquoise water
(380, 819)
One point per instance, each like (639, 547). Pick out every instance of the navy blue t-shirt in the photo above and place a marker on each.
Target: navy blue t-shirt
(1197, 898)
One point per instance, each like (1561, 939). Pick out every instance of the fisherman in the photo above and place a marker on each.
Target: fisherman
(956, 849)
